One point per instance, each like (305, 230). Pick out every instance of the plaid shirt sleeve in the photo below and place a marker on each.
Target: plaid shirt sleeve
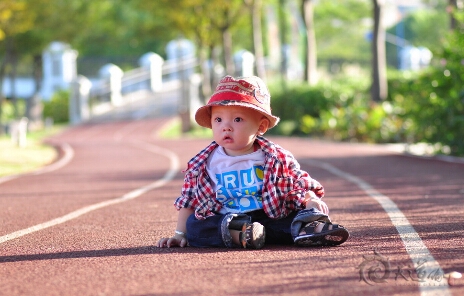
(187, 198)
(285, 183)
(197, 191)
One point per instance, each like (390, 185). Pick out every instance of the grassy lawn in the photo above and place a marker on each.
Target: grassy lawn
(16, 160)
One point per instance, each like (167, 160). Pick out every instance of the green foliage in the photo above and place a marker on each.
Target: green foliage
(58, 107)
(133, 29)
(421, 107)
(428, 107)
(15, 17)
(341, 28)
(427, 28)
(433, 103)
(341, 110)
(8, 111)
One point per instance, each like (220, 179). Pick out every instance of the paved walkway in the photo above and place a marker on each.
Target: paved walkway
(88, 226)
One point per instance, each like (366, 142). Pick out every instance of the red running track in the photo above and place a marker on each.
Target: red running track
(89, 227)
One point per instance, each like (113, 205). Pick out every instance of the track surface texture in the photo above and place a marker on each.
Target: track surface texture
(89, 225)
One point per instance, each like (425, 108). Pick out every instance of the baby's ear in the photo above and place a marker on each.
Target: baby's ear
(263, 126)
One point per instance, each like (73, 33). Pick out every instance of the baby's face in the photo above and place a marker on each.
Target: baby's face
(235, 128)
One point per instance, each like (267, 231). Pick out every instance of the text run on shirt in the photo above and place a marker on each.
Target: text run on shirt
(240, 190)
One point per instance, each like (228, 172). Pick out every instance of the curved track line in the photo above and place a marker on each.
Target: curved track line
(67, 157)
(174, 168)
(416, 249)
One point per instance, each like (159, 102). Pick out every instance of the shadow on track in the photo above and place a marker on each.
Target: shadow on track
(146, 250)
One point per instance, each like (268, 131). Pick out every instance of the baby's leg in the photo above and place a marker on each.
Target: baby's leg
(204, 233)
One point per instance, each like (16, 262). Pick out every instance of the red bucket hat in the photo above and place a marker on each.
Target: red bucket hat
(250, 92)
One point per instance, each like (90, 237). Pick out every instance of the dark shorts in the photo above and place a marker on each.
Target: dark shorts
(214, 231)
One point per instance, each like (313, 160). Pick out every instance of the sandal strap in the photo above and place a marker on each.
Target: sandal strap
(310, 228)
(326, 226)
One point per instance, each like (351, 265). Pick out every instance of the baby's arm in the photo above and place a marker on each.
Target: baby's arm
(178, 239)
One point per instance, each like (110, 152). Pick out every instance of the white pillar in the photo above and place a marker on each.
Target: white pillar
(178, 51)
(244, 63)
(18, 131)
(59, 68)
(113, 75)
(248, 64)
(154, 63)
(194, 95)
(79, 106)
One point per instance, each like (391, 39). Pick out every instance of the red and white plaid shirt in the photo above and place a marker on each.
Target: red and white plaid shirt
(284, 183)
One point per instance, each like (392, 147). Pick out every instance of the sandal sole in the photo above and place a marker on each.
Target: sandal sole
(329, 238)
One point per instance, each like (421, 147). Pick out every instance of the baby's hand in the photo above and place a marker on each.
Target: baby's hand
(315, 202)
(177, 240)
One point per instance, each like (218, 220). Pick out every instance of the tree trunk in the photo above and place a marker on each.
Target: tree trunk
(311, 51)
(2, 76)
(283, 40)
(227, 44)
(227, 51)
(452, 7)
(379, 86)
(206, 71)
(5, 61)
(34, 105)
(256, 7)
(13, 96)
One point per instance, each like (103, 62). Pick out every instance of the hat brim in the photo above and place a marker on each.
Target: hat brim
(203, 114)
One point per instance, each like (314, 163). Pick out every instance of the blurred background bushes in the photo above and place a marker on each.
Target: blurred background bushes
(425, 106)
(57, 108)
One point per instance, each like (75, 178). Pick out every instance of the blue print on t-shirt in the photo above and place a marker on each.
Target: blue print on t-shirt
(240, 191)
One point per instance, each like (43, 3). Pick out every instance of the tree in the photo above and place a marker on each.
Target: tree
(452, 7)
(32, 28)
(283, 40)
(14, 19)
(190, 19)
(256, 7)
(341, 30)
(227, 15)
(379, 89)
(209, 23)
(311, 49)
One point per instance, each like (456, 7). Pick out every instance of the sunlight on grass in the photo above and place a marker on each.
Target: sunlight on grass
(17, 160)
(172, 130)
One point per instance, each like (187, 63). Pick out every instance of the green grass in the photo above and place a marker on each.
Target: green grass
(17, 160)
(173, 130)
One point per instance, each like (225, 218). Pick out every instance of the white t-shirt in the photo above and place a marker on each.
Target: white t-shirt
(238, 180)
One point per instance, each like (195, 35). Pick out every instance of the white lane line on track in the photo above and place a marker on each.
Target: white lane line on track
(174, 168)
(416, 249)
(67, 157)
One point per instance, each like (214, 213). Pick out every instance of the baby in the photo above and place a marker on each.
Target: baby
(243, 190)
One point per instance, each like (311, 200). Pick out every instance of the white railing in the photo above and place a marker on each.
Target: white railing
(116, 88)
(142, 78)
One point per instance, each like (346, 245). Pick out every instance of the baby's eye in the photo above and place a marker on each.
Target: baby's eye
(237, 119)
(217, 119)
